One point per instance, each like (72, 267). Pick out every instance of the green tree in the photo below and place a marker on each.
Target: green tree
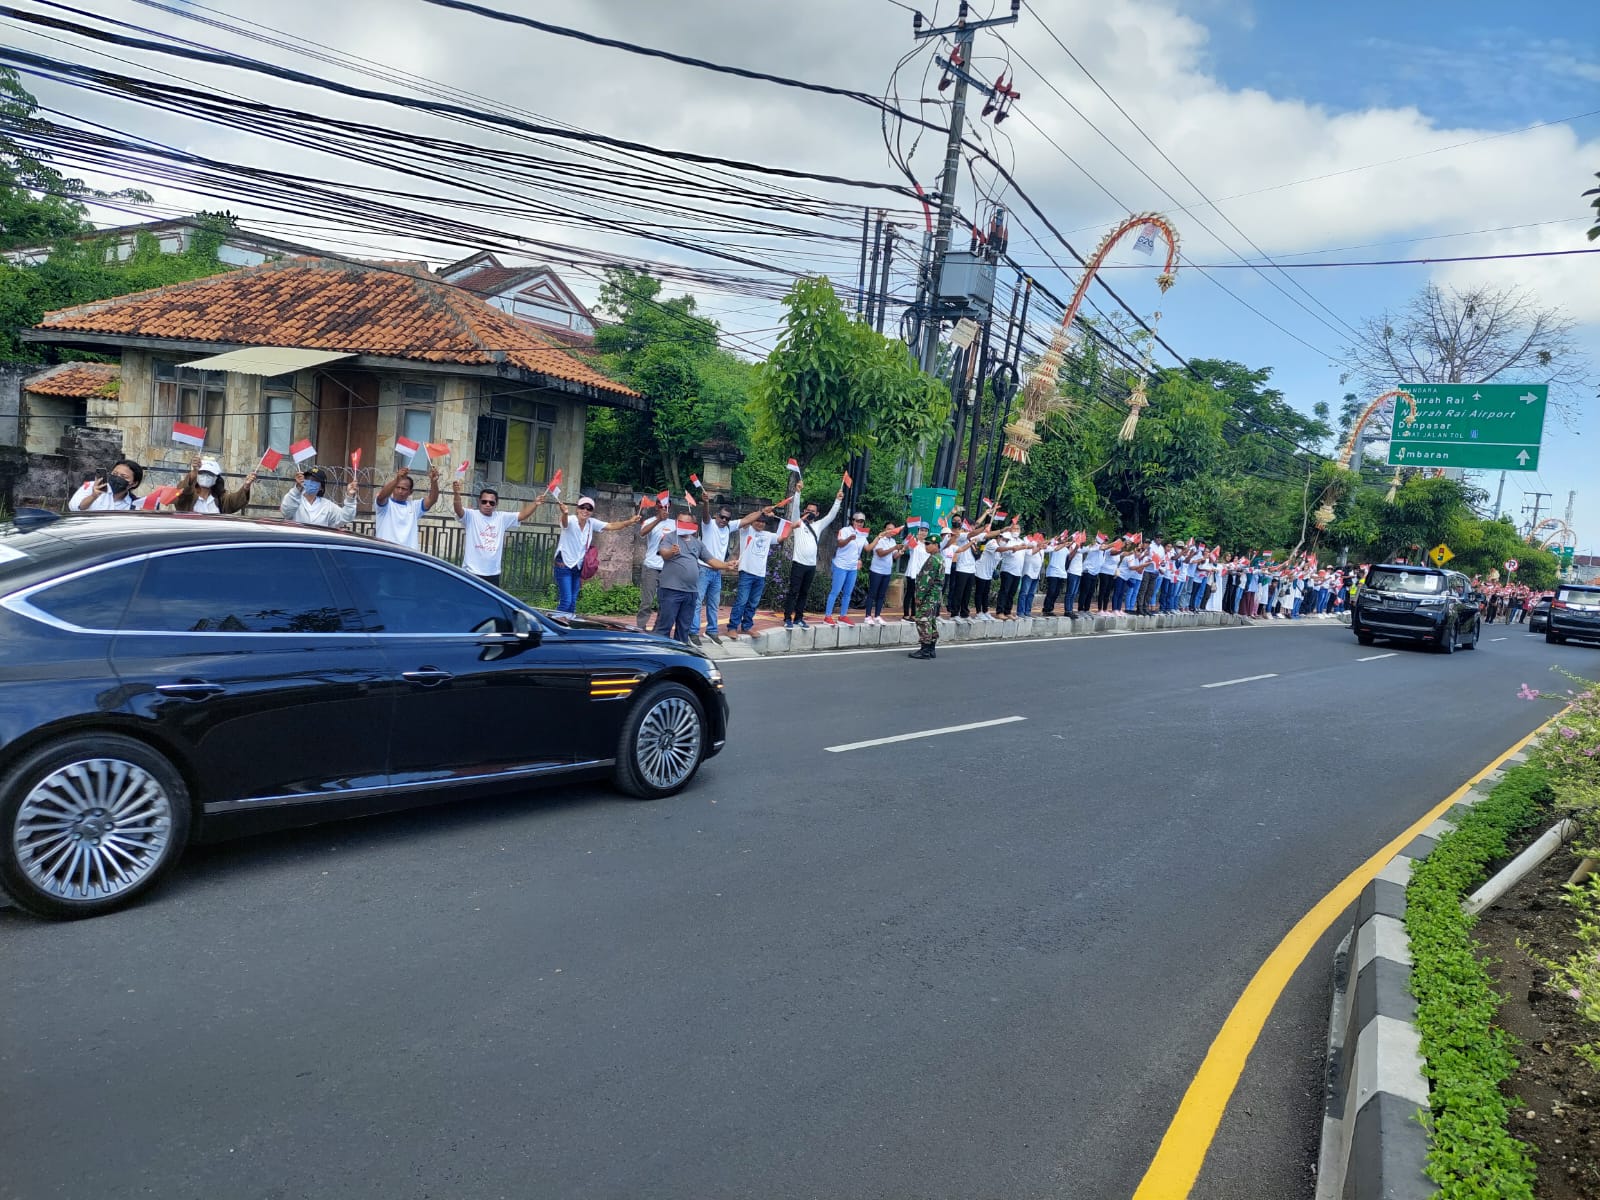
(833, 386)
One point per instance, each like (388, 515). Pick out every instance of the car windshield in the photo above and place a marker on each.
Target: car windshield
(1579, 595)
(1397, 579)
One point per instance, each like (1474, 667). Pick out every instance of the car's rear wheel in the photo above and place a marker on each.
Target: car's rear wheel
(662, 742)
(90, 823)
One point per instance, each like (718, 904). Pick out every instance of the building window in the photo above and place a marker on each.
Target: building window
(193, 397)
(277, 414)
(417, 424)
(530, 437)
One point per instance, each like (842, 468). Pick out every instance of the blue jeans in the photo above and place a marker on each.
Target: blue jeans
(1186, 594)
(568, 580)
(1025, 594)
(674, 608)
(844, 582)
(707, 596)
(1202, 592)
(743, 615)
(1073, 583)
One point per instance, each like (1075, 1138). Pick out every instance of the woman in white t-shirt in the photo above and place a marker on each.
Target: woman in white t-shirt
(111, 491)
(577, 535)
(853, 540)
(880, 566)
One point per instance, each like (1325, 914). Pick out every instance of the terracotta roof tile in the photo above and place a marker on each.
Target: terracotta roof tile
(75, 380)
(323, 304)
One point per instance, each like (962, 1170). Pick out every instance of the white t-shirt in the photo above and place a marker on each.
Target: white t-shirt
(1093, 558)
(393, 521)
(1059, 558)
(919, 555)
(881, 564)
(966, 561)
(576, 537)
(652, 546)
(988, 560)
(754, 546)
(104, 502)
(714, 538)
(848, 556)
(1033, 563)
(207, 504)
(485, 541)
(1013, 555)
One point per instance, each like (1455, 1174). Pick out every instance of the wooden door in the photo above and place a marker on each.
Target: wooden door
(347, 420)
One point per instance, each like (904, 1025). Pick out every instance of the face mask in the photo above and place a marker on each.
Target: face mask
(205, 479)
(118, 485)
(312, 487)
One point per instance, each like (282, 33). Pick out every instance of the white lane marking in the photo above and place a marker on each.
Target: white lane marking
(985, 643)
(1497, 639)
(1376, 657)
(926, 733)
(1246, 679)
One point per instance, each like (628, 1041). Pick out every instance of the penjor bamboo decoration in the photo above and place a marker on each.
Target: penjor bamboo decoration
(1137, 400)
(1039, 398)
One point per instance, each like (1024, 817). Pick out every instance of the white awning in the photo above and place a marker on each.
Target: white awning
(267, 360)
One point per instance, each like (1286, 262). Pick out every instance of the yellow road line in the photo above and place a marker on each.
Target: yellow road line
(1183, 1148)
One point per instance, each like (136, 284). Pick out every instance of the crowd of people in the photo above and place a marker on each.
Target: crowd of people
(986, 569)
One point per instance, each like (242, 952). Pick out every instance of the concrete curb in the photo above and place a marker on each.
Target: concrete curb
(819, 637)
(1373, 1146)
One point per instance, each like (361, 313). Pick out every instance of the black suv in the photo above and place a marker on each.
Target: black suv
(169, 677)
(1574, 613)
(1415, 603)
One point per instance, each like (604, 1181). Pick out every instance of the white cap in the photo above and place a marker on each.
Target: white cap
(211, 465)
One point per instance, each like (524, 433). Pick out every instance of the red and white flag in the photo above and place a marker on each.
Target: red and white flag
(847, 480)
(794, 467)
(694, 482)
(663, 497)
(555, 482)
(405, 448)
(270, 459)
(302, 450)
(462, 469)
(161, 495)
(355, 459)
(783, 528)
(688, 526)
(438, 449)
(188, 435)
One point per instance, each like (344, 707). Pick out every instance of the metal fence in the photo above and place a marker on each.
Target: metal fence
(527, 568)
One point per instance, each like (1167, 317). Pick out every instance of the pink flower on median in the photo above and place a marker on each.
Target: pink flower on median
(1528, 693)
(1575, 993)
(1568, 732)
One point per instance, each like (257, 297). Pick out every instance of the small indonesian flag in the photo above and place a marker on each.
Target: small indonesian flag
(188, 435)
(662, 497)
(555, 482)
(555, 492)
(999, 514)
(794, 467)
(783, 529)
(689, 496)
(162, 495)
(355, 459)
(915, 523)
(694, 482)
(848, 482)
(270, 459)
(438, 449)
(302, 450)
(688, 526)
(405, 448)
(463, 468)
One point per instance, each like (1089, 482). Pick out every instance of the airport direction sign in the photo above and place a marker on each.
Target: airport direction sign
(1477, 426)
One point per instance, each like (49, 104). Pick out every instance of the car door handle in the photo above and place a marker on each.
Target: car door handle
(192, 689)
(427, 677)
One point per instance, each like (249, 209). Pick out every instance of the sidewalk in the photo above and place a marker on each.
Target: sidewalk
(769, 637)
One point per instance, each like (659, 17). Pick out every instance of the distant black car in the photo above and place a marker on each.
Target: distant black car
(1539, 615)
(1403, 602)
(1574, 613)
(170, 677)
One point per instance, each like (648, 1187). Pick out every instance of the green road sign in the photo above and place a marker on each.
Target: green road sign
(1483, 426)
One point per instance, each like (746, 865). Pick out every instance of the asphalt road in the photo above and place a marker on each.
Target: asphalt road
(980, 964)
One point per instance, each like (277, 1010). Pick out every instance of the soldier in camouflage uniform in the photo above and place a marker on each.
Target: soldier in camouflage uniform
(929, 591)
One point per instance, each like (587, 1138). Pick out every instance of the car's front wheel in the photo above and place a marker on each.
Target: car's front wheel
(662, 742)
(1364, 637)
(1555, 639)
(89, 824)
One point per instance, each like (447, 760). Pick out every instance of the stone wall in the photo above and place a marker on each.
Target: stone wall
(11, 376)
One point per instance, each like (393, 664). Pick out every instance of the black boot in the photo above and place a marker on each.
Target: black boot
(933, 650)
(920, 652)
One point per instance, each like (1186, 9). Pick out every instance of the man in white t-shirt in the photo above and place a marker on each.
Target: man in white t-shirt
(1032, 568)
(716, 535)
(755, 544)
(652, 527)
(309, 504)
(803, 552)
(395, 515)
(484, 543)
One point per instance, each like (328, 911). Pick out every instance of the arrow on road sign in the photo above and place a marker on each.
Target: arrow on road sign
(1522, 457)
(1528, 398)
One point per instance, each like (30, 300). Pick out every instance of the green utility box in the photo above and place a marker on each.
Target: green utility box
(931, 504)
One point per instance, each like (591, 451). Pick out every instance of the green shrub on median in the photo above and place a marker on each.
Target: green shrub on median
(1465, 1056)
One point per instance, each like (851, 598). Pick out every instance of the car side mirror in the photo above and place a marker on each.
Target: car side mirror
(525, 627)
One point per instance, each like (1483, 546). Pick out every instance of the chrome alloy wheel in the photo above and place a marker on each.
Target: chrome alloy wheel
(92, 829)
(668, 743)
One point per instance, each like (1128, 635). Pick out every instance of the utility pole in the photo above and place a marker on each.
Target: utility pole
(1498, 493)
(956, 68)
(1538, 504)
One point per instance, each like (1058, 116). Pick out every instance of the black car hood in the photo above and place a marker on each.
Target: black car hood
(599, 629)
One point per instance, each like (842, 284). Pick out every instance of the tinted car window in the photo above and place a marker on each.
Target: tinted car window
(95, 600)
(401, 595)
(265, 589)
(1398, 579)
